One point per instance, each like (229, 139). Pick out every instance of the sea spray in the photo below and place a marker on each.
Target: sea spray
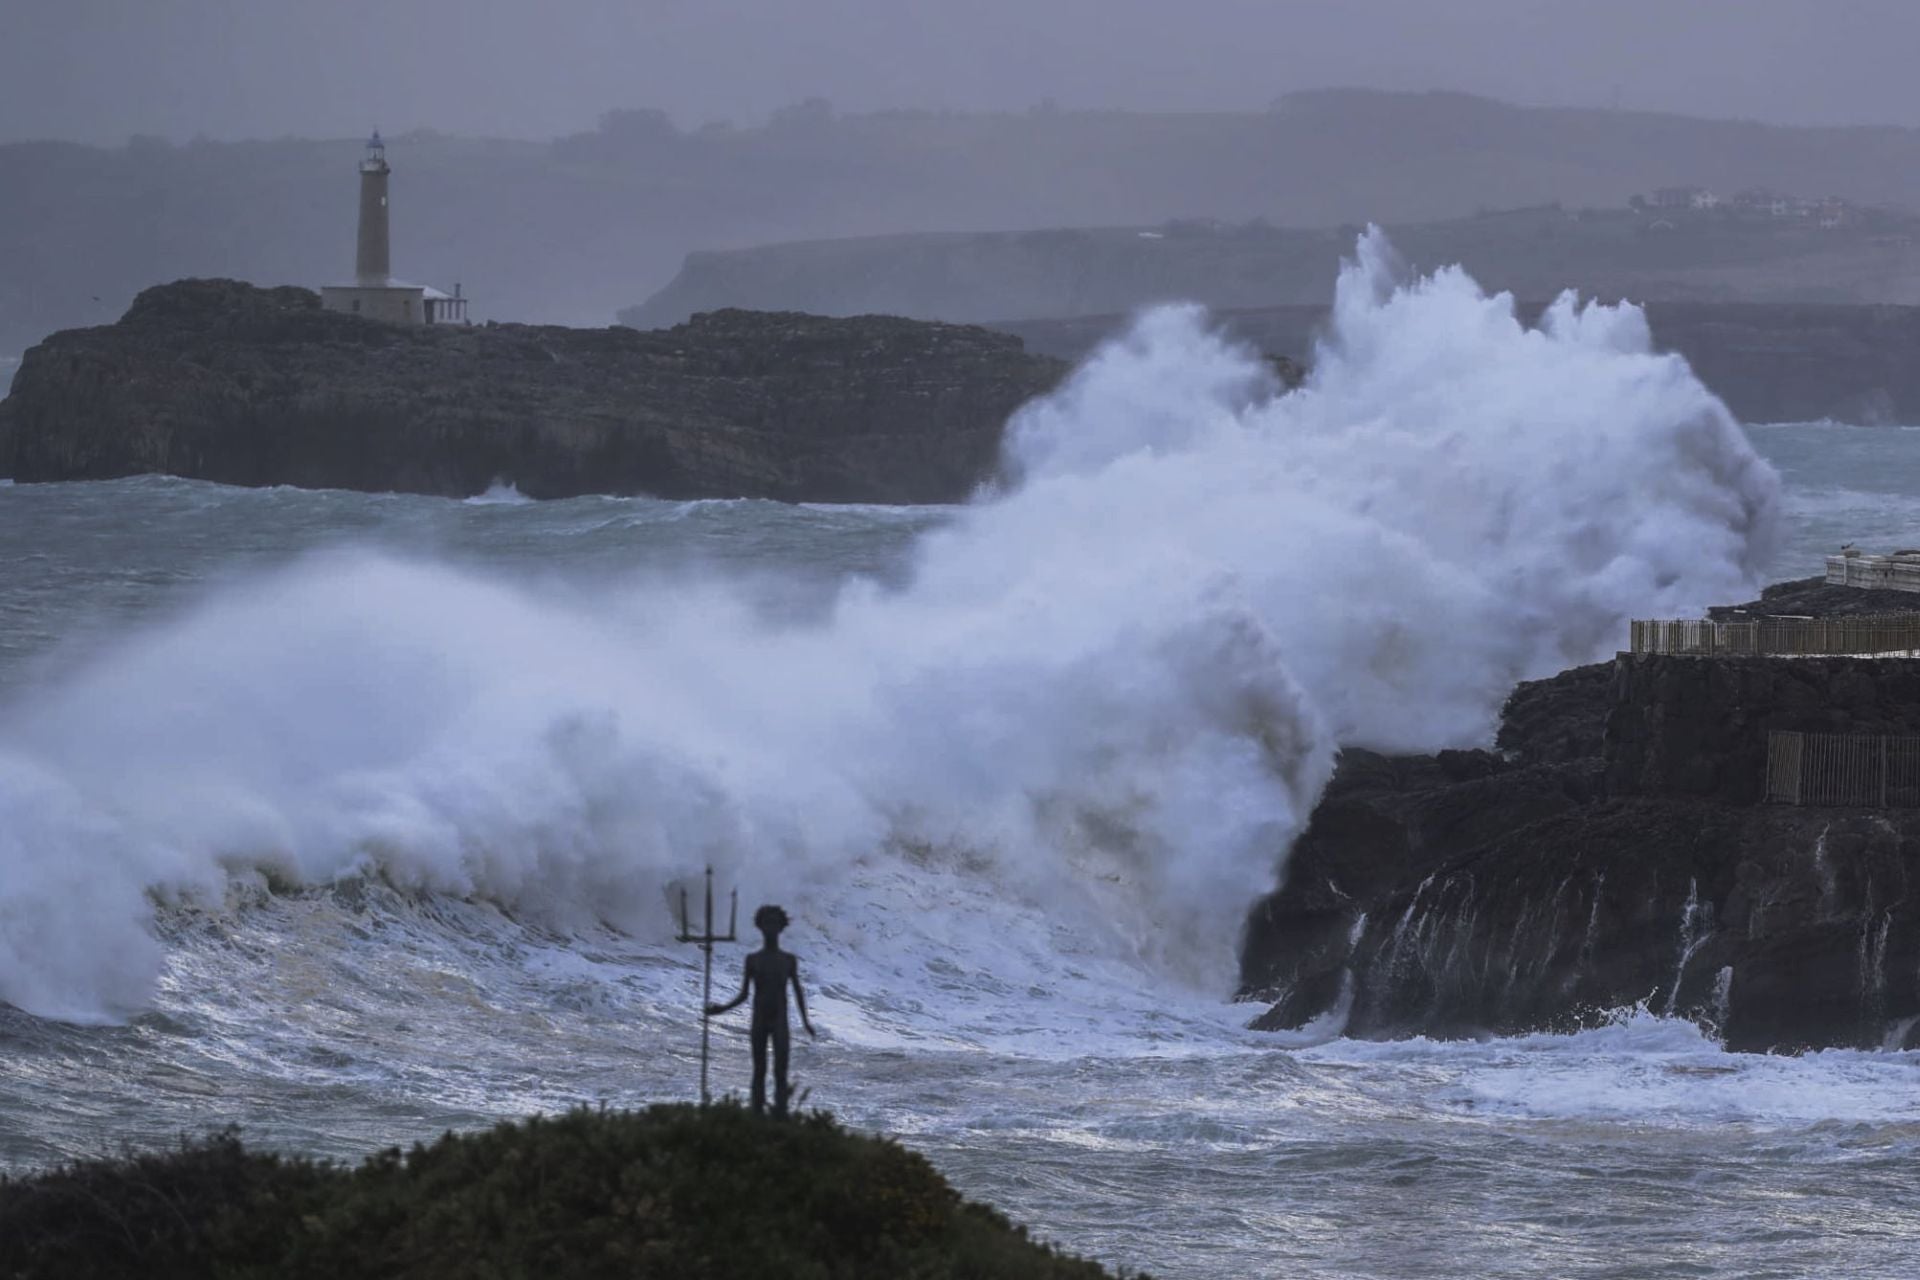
(1069, 750)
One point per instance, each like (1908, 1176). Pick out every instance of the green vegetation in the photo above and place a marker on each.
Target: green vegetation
(670, 1191)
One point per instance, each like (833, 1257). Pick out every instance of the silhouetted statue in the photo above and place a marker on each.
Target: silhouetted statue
(767, 973)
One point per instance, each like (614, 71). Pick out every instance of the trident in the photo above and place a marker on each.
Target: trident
(705, 941)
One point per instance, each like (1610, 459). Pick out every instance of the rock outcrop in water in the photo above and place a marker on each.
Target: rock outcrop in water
(1611, 852)
(218, 380)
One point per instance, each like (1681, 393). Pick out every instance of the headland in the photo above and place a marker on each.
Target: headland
(1619, 847)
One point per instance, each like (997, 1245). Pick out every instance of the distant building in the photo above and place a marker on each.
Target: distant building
(374, 292)
(1684, 198)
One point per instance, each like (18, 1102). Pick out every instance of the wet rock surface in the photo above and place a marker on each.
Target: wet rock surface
(1816, 598)
(1613, 852)
(219, 380)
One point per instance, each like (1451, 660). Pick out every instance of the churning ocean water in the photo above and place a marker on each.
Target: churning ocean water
(351, 818)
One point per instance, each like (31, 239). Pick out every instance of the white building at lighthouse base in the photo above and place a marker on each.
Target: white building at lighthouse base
(396, 302)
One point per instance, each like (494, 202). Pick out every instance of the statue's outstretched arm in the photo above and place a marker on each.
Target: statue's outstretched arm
(746, 981)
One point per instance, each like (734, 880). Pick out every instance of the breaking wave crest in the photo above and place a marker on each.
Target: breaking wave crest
(1073, 747)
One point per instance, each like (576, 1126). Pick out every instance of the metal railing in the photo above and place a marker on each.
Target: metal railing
(1873, 635)
(1855, 770)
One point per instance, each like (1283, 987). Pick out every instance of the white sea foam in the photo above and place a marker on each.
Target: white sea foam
(500, 493)
(1057, 765)
(1646, 1070)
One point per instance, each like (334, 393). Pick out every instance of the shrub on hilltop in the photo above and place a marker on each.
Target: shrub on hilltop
(672, 1190)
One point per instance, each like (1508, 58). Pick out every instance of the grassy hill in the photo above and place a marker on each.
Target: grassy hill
(670, 1191)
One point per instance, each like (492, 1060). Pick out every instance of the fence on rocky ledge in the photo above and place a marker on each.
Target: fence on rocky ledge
(1854, 770)
(1897, 572)
(1873, 635)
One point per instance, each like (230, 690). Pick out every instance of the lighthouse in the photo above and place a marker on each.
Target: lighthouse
(374, 293)
(373, 264)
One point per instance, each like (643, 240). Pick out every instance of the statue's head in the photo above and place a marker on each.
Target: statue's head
(770, 920)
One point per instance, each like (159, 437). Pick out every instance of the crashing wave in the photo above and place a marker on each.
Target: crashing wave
(1086, 729)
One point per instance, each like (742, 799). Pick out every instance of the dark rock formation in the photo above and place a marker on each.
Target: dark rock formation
(1559, 720)
(1612, 853)
(1815, 598)
(1698, 727)
(217, 380)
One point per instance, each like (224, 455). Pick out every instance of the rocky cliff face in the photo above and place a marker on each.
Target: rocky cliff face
(217, 380)
(1698, 728)
(1610, 853)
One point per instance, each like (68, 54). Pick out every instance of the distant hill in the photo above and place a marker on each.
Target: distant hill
(1848, 255)
(569, 231)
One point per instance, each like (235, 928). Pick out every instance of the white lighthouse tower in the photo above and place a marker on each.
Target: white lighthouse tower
(374, 292)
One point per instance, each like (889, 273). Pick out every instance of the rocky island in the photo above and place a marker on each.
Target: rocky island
(1615, 850)
(223, 381)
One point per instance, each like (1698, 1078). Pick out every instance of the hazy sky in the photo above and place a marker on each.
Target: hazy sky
(98, 70)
